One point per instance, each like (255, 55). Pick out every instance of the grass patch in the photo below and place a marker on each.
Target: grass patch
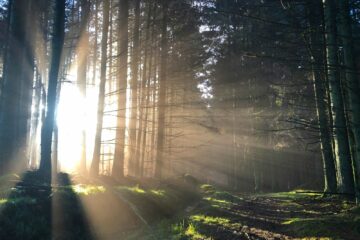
(345, 225)
(209, 220)
(83, 189)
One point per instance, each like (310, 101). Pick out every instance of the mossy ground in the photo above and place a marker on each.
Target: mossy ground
(288, 215)
(82, 208)
(74, 207)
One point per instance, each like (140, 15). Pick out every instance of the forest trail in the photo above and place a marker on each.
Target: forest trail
(84, 208)
(290, 215)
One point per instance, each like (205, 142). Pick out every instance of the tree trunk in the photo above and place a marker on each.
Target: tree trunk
(48, 127)
(118, 164)
(95, 50)
(162, 93)
(94, 169)
(342, 150)
(16, 89)
(82, 58)
(133, 86)
(320, 99)
(351, 84)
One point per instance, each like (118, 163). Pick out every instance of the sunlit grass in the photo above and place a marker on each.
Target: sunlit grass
(293, 194)
(160, 193)
(192, 232)
(218, 202)
(210, 220)
(207, 188)
(83, 189)
(136, 189)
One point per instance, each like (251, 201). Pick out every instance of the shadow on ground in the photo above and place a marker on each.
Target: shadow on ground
(33, 209)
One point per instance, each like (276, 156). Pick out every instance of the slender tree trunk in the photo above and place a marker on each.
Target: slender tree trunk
(48, 127)
(162, 93)
(95, 50)
(16, 85)
(82, 58)
(133, 86)
(94, 169)
(35, 121)
(352, 87)
(118, 164)
(320, 99)
(342, 150)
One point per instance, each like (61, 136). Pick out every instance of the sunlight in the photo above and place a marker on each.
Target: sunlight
(74, 116)
(70, 120)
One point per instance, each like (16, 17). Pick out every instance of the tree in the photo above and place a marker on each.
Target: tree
(162, 92)
(318, 76)
(134, 89)
(352, 87)
(341, 140)
(83, 54)
(57, 47)
(118, 163)
(94, 168)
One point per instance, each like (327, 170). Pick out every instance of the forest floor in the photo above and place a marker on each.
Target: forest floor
(75, 207)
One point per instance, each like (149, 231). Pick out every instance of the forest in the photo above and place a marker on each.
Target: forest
(179, 120)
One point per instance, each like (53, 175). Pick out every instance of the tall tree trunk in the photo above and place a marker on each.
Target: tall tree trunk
(352, 86)
(95, 50)
(48, 127)
(342, 150)
(94, 168)
(133, 86)
(162, 93)
(35, 121)
(82, 58)
(118, 164)
(321, 97)
(16, 89)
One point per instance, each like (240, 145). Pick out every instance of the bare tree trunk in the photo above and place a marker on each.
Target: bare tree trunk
(82, 58)
(342, 150)
(320, 99)
(162, 93)
(95, 53)
(17, 85)
(94, 169)
(118, 164)
(48, 127)
(352, 87)
(134, 90)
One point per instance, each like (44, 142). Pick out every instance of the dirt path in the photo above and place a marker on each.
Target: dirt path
(271, 216)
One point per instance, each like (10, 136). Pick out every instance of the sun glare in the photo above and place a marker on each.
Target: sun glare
(75, 115)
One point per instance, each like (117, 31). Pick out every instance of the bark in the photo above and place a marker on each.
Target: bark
(94, 168)
(16, 87)
(118, 164)
(342, 150)
(35, 121)
(352, 87)
(134, 90)
(162, 93)
(57, 47)
(95, 50)
(82, 58)
(320, 99)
